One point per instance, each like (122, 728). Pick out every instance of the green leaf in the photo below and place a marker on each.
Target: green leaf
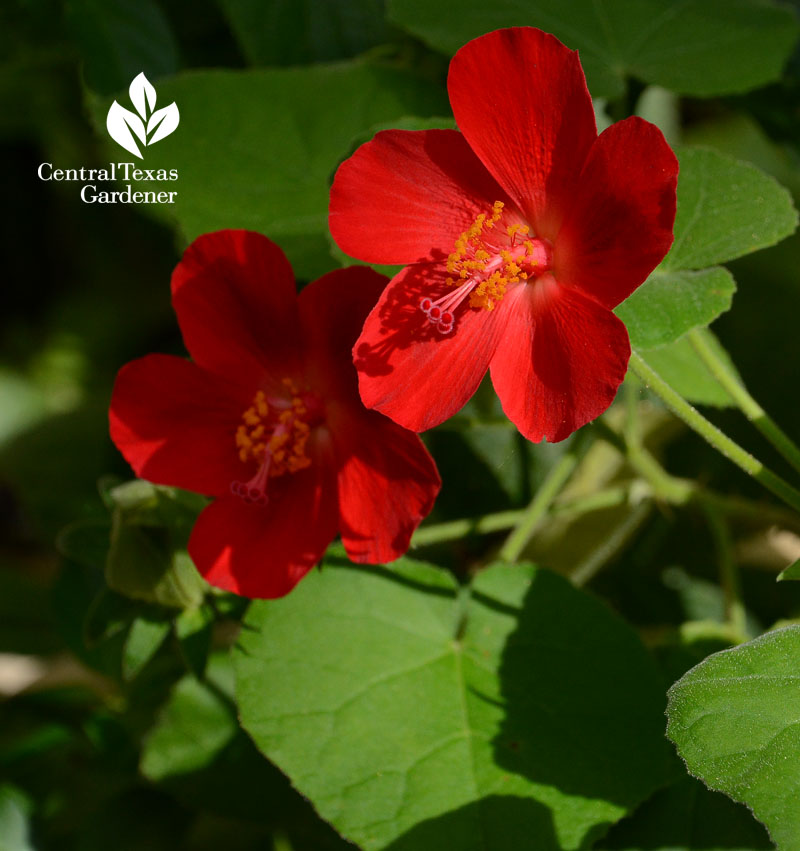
(258, 149)
(726, 209)
(295, 32)
(14, 827)
(687, 817)
(791, 572)
(414, 718)
(193, 628)
(668, 304)
(144, 638)
(693, 47)
(118, 39)
(734, 721)
(194, 726)
(681, 367)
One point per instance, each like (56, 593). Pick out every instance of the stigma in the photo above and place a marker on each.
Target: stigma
(487, 258)
(273, 435)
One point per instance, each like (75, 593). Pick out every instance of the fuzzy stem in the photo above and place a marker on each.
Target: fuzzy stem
(536, 511)
(747, 404)
(709, 432)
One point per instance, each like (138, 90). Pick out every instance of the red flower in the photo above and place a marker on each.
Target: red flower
(523, 231)
(267, 419)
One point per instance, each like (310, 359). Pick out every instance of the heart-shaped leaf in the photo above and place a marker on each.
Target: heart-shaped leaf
(524, 716)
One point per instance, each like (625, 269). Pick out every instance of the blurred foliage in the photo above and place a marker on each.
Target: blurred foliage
(119, 728)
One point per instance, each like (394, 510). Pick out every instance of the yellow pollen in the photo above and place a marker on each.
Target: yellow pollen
(277, 431)
(470, 257)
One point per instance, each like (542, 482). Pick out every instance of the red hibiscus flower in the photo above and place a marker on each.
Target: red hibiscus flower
(267, 419)
(522, 232)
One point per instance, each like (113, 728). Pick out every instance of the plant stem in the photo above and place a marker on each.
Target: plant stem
(620, 535)
(707, 430)
(735, 612)
(678, 491)
(455, 529)
(747, 404)
(535, 512)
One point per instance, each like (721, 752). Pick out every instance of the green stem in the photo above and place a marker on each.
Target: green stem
(535, 512)
(678, 491)
(456, 529)
(709, 432)
(747, 404)
(613, 544)
(728, 572)
(453, 530)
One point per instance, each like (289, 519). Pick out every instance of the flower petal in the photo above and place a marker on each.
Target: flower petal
(560, 362)
(332, 312)
(263, 552)
(235, 297)
(407, 369)
(175, 424)
(520, 99)
(387, 485)
(408, 194)
(387, 481)
(620, 226)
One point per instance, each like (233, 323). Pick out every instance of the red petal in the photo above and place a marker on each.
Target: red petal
(406, 368)
(175, 424)
(520, 99)
(387, 484)
(264, 552)
(406, 194)
(620, 226)
(387, 481)
(235, 297)
(560, 362)
(332, 313)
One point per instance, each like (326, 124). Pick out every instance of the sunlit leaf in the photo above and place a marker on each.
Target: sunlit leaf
(726, 209)
(414, 718)
(144, 638)
(791, 572)
(668, 304)
(734, 721)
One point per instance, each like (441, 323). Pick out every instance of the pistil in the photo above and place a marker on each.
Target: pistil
(273, 433)
(483, 265)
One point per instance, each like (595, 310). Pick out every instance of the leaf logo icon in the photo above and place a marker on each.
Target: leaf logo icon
(148, 124)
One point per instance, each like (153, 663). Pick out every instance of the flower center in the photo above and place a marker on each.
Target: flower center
(273, 434)
(485, 261)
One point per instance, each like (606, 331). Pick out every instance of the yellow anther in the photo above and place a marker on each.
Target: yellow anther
(274, 433)
(261, 405)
